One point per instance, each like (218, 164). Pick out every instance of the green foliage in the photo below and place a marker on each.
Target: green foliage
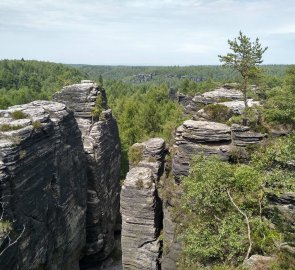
(251, 117)
(25, 81)
(98, 108)
(5, 227)
(37, 125)
(214, 232)
(284, 261)
(173, 75)
(18, 115)
(244, 58)
(135, 154)
(279, 107)
(217, 112)
(7, 127)
(144, 113)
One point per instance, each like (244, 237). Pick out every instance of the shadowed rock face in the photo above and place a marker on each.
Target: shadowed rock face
(102, 148)
(43, 180)
(141, 209)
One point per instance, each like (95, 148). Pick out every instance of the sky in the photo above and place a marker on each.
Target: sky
(143, 32)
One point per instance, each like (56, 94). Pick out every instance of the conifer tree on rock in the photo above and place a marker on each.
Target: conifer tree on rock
(245, 58)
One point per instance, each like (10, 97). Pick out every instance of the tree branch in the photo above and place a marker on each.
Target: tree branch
(14, 242)
(247, 222)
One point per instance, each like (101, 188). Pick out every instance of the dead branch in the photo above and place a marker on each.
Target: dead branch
(14, 242)
(247, 222)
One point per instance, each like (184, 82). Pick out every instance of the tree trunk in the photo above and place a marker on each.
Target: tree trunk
(244, 90)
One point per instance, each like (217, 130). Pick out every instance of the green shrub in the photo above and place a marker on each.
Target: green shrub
(18, 115)
(7, 127)
(252, 118)
(98, 108)
(214, 231)
(284, 261)
(217, 112)
(5, 227)
(135, 154)
(238, 154)
(37, 125)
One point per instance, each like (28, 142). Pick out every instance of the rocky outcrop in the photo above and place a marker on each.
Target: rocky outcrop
(102, 148)
(238, 106)
(194, 137)
(243, 136)
(258, 262)
(223, 93)
(141, 209)
(43, 181)
(59, 180)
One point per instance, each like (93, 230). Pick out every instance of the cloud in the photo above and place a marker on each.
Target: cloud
(134, 31)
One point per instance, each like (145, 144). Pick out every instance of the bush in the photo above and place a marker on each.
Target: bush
(217, 112)
(214, 231)
(18, 115)
(37, 125)
(7, 127)
(98, 108)
(252, 118)
(135, 154)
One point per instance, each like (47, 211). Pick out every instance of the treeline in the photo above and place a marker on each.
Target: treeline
(167, 74)
(142, 112)
(22, 81)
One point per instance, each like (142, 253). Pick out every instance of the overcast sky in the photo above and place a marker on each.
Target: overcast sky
(143, 32)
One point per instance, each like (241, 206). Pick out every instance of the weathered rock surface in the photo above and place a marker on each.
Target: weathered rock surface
(242, 136)
(194, 137)
(43, 180)
(223, 93)
(258, 262)
(238, 106)
(102, 147)
(189, 105)
(141, 209)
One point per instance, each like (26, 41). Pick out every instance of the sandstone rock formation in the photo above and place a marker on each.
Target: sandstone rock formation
(102, 148)
(43, 180)
(59, 179)
(141, 209)
(194, 137)
(238, 106)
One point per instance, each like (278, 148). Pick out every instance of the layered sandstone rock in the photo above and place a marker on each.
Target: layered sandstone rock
(43, 180)
(102, 148)
(141, 209)
(194, 137)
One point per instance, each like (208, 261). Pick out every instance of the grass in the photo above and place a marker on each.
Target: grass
(16, 115)
(7, 127)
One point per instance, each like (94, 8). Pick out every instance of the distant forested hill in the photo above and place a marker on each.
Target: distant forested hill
(23, 81)
(170, 73)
